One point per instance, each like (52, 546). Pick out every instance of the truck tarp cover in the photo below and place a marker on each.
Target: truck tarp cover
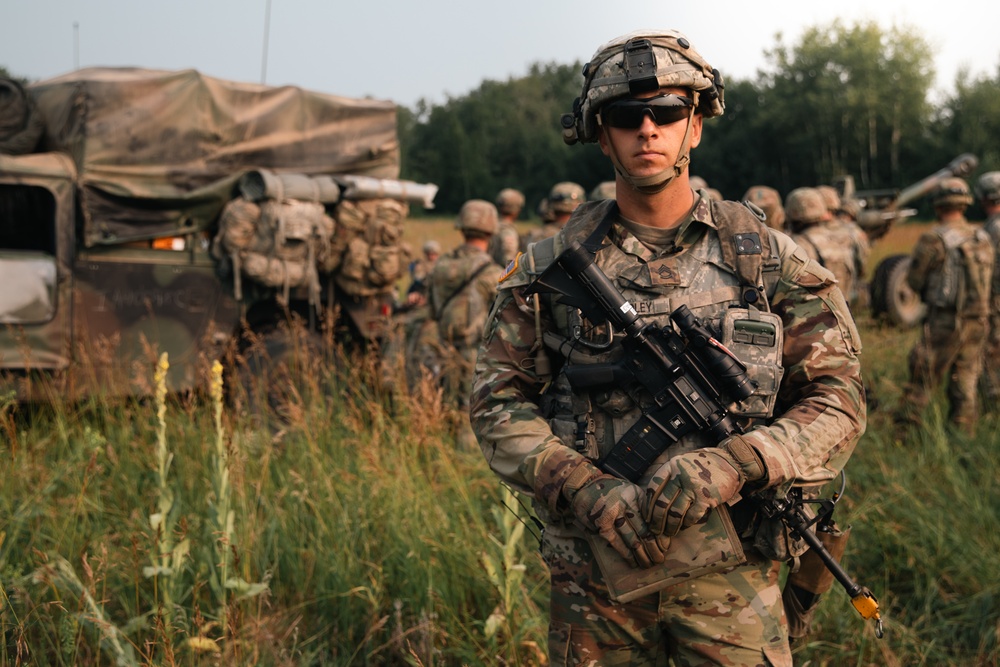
(160, 153)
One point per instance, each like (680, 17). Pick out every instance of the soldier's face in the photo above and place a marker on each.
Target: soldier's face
(650, 148)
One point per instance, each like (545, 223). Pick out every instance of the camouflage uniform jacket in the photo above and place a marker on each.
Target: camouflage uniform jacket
(992, 227)
(461, 288)
(820, 413)
(839, 247)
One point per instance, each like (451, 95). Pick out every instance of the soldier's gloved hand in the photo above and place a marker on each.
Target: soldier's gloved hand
(684, 489)
(609, 506)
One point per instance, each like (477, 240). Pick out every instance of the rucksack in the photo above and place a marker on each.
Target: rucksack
(963, 283)
(459, 308)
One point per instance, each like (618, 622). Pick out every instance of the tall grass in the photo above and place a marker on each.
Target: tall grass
(352, 531)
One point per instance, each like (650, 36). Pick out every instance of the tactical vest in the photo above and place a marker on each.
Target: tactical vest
(963, 284)
(724, 273)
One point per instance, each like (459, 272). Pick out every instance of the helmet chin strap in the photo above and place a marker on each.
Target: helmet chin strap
(659, 181)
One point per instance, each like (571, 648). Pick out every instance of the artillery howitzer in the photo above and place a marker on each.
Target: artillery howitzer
(891, 297)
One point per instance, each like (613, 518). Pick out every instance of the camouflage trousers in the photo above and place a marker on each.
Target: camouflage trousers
(990, 381)
(951, 354)
(730, 618)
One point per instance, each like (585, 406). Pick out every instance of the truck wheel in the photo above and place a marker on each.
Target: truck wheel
(891, 297)
(275, 371)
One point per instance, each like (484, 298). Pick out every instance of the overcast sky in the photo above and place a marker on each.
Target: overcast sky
(404, 50)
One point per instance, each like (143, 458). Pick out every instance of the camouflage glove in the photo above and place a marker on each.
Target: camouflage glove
(685, 488)
(609, 506)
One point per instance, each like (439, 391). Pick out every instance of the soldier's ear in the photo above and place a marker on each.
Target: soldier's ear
(602, 140)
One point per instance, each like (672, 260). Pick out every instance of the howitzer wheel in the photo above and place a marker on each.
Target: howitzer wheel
(891, 297)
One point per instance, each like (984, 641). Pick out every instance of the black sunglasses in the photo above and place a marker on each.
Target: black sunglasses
(627, 114)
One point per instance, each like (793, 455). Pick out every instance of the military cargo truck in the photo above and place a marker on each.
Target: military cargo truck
(158, 211)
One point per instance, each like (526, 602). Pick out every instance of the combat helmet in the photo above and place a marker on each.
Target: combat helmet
(805, 206)
(639, 63)
(988, 187)
(952, 191)
(768, 200)
(509, 201)
(830, 197)
(565, 197)
(603, 190)
(697, 182)
(478, 216)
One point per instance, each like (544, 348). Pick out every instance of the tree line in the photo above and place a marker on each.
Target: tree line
(845, 99)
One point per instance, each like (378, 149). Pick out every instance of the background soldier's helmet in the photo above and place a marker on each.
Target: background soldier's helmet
(769, 201)
(988, 187)
(478, 215)
(432, 247)
(850, 207)
(830, 197)
(697, 182)
(604, 190)
(805, 206)
(638, 63)
(566, 196)
(952, 191)
(510, 201)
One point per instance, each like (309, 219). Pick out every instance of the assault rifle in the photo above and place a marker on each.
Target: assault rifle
(691, 377)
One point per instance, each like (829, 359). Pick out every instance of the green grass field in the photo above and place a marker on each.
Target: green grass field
(179, 531)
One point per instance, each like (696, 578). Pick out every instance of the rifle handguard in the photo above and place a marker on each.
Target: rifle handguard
(743, 453)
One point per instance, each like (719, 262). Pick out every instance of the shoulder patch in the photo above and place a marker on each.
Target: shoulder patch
(511, 267)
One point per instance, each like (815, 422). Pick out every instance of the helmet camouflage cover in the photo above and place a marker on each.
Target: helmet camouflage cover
(988, 187)
(953, 191)
(830, 197)
(805, 206)
(565, 197)
(510, 201)
(478, 215)
(636, 63)
(769, 201)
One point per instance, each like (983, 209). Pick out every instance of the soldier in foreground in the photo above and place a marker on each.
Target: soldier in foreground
(505, 244)
(678, 564)
(951, 269)
(988, 193)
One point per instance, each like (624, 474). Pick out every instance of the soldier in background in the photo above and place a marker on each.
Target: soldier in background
(563, 199)
(988, 193)
(505, 244)
(825, 240)
(698, 183)
(603, 190)
(420, 269)
(768, 200)
(461, 289)
(951, 269)
(843, 222)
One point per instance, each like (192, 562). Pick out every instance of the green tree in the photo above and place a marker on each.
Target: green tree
(972, 118)
(853, 99)
(503, 134)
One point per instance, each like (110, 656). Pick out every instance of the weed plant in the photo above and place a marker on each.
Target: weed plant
(347, 528)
